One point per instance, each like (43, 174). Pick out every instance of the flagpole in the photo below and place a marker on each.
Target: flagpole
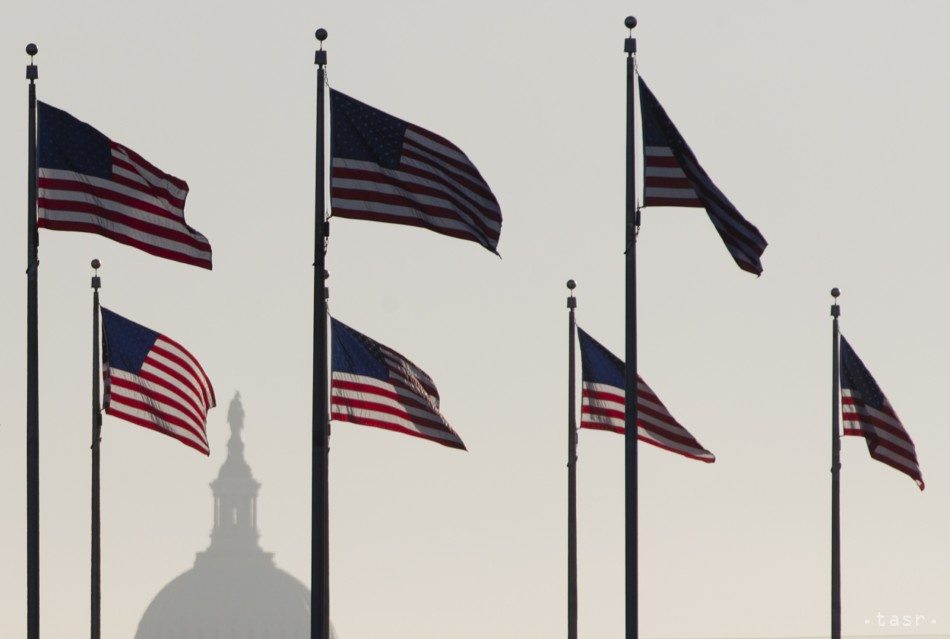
(835, 472)
(571, 473)
(32, 374)
(630, 378)
(95, 556)
(320, 542)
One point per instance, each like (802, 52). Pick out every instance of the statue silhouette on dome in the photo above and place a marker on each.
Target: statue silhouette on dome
(234, 590)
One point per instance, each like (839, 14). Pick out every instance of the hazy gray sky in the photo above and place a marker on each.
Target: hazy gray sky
(824, 123)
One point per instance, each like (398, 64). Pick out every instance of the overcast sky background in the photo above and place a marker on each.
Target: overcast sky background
(824, 122)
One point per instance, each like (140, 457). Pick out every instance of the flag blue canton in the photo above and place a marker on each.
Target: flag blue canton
(855, 375)
(653, 131)
(360, 132)
(598, 365)
(128, 343)
(65, 143)
(355, 353)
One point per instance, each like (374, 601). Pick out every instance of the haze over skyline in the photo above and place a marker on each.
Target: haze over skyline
(824, 123)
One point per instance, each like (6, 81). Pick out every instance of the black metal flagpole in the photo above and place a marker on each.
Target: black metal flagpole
(95, 590)
(320, 542)
(835, 472)
(630, 379)
(32, 375)
(571, 474)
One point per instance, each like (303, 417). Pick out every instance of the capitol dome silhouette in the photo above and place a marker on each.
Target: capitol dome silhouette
(234, 590)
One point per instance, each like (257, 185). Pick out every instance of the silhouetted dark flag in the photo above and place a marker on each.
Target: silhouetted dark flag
(387, 170)
(374, 385)
(867, 413)
(673, 177)
(153, 381)
(602, 403)
(90, 184)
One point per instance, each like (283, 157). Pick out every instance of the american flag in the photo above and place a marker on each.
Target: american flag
(90, 184)
(152, 381)
(374, 385)
(387, 170)
(673, 177)
(603, 403)
(867, 413)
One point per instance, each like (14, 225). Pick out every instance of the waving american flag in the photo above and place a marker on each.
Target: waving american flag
(90, 184)
(387, 170)
(374, 385)
(867, 413)
(603, 403)
(673, 177)
(153, 381)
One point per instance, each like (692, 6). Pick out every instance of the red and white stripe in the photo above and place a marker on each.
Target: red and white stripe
(435, 187)
(602, 408)
(887, 440)
(407, 403)
(665, 182)
(141, 206)
(171, 395)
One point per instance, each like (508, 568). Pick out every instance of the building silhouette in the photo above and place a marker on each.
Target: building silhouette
(234, 590)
